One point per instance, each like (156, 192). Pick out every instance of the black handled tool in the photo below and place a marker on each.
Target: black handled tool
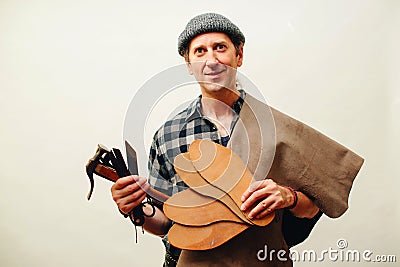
(110, 164)
(137, 214)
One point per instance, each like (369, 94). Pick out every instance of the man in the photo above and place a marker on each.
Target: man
(212, 47)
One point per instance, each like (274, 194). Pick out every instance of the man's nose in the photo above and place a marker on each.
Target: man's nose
(211, 59)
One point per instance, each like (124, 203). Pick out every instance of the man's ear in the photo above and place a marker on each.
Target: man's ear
(189, 67)
(240, 56)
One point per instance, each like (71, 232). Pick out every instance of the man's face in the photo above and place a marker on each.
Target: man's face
(213, 60)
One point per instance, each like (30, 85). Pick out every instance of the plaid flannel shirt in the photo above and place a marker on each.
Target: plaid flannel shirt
(174, 137)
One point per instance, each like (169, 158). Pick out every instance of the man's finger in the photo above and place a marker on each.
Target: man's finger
(128, 206)
(254, 198)
(253, 186)
(264, 213)
(263, 206)
(123, 182)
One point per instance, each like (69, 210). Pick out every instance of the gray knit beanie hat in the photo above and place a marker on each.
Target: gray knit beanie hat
(209, 22)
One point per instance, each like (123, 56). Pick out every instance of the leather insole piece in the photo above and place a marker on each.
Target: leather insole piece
(205, 237)
(223, 169)
(189, 175)
(190, 208)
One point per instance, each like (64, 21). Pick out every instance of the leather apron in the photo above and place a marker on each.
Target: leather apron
(291, 153)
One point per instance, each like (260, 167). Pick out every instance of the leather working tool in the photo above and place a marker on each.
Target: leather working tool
(110, 165)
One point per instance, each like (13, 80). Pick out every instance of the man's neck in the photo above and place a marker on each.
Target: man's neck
(217, 106)
(218, 103)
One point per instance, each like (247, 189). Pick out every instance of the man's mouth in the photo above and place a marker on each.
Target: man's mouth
(214, 74)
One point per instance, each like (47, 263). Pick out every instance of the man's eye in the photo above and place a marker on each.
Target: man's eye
(221, 47)
(199, 50)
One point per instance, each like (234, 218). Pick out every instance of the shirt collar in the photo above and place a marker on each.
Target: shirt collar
(194, 109)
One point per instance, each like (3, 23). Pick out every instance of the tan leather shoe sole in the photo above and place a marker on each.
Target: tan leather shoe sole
(185, 169)
(205, 237)
(225, 170)
(190, 208)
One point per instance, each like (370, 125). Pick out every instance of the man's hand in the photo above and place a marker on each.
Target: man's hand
(265, 197)
(128, 192)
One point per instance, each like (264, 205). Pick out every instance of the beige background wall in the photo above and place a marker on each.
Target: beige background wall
(68, 70)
